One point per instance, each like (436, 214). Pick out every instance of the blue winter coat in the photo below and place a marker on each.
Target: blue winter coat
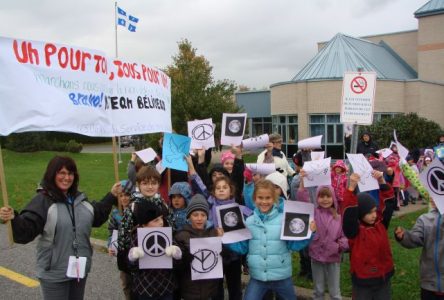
(268, 257)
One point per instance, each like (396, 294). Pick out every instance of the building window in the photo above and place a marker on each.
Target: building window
(332, 131)
(260, 126)
(287, 127)
(381, 116)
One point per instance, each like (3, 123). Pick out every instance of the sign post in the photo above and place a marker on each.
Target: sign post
(357, 103)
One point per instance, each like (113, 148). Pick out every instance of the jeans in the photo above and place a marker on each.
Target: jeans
(381, 292)
(256, 289)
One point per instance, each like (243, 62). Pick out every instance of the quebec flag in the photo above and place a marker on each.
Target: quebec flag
(126, 20)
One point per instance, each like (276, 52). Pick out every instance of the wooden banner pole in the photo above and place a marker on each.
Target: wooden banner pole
(116, 167)
(5, 196)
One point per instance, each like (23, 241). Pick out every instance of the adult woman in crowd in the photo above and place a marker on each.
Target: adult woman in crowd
(274, 154)
(63, 218)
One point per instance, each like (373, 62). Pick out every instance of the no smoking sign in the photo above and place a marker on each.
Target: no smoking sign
(358, 85)
(358, 94)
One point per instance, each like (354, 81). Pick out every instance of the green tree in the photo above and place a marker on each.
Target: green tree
(412, 131)
(194, 93)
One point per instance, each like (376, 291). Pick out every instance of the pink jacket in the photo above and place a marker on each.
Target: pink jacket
(339, 181)
(329, 241)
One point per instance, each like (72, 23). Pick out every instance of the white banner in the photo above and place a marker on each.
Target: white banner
(54, 87)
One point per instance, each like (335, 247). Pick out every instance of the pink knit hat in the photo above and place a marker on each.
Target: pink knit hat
(226, 155)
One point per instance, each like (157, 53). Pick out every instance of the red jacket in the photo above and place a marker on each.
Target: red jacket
(371, 261)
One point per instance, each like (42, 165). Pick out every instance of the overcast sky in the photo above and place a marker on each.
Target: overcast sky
(252, 42)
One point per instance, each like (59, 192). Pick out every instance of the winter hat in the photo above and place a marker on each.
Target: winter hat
(365, 204)
(127, 186)
(181, 188)
(248, 175)
(146, 211)
(198, 202)
(378, 165)
(279, 180)
(226, 155)
(218, 168)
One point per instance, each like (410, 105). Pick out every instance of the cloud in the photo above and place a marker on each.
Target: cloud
(253, 42)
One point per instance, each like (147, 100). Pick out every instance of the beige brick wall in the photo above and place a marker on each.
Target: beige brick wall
(403, 43)
(431, 48)
(305, 98)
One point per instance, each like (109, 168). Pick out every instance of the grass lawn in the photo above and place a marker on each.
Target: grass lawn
(405, 282)
(23, 172)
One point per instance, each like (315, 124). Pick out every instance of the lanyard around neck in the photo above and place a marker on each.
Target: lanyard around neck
(72, 216)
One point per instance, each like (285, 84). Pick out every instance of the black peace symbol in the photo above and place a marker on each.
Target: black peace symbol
(435, 180)
(202, 132)
(204, 261)
(154, 243)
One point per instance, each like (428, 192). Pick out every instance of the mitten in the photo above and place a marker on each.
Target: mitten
(135, 253)
(173, 251)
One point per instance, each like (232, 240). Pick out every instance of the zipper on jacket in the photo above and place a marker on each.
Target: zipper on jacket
(437, 238)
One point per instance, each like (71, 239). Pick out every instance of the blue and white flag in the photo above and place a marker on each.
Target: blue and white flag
(126, 20)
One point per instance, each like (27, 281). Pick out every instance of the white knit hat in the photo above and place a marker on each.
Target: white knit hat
(279, 180)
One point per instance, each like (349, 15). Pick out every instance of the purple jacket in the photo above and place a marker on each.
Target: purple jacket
(329, 241)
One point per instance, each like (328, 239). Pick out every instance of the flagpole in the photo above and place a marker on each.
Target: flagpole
(5, 197)
(116, 166)
(116, 51)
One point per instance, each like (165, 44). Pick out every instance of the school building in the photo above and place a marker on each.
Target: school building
(410, 78)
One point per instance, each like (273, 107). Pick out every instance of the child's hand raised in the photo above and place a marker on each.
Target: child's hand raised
(313, 226)
(399, 233)
(354, 179)
(379, 176)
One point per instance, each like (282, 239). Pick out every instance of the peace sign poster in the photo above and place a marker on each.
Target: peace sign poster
(433, 180)
(153, 241)
(201, 133)
(207, 262)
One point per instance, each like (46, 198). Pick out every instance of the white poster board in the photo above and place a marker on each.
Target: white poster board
(297, 218)
(113, 242)
(263, 169)
(231, 219)
(362, 167)
(65, 88)
(153, 241)
(201, 133)
(233, 128)
(318, 172)
(207, 262)
(316, 155)
(255, 142)
(432, 178)
(147, 155)
(314, 142)
(358, 97)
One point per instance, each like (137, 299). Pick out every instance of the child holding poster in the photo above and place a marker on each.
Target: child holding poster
(197, 215)
(151, 284)
(365, 225)
(329, 242)
(148, 182)
(273, 270)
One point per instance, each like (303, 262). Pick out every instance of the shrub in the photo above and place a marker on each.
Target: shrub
(73, 147)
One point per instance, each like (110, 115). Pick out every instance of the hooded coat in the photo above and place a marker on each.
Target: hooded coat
(178, 216)
(339, 181)
(329, 241)
(367, 147)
